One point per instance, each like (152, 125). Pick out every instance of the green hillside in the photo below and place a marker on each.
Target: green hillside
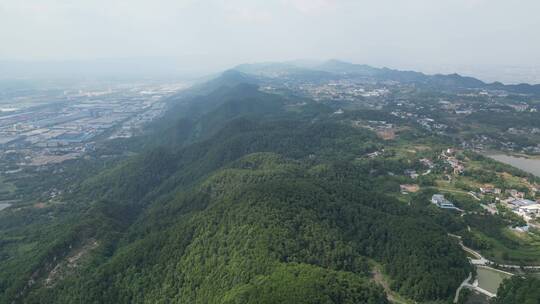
(248, 203)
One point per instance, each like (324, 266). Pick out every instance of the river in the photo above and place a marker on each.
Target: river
(530, 165)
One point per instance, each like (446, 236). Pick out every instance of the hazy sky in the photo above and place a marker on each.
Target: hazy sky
(404, 33)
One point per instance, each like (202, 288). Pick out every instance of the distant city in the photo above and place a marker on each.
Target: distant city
(40, 127)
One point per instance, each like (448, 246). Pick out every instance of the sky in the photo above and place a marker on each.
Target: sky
(215, 34)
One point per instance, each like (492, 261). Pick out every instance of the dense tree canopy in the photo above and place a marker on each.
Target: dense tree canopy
(518, 290)
(247, 204)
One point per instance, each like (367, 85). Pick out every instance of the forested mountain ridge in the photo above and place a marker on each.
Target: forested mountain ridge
(249, 202)
(263, 215)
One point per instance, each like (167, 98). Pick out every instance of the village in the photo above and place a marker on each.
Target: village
(456, 188)
(523, 202)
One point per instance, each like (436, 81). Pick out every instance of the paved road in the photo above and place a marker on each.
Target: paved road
(463, 284)
(474, 195)
(481, 260)
(473, 286)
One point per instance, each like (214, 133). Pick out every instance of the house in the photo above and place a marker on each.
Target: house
(522, 228)
(426, 162)
(516, 203)
(490, 190)
(529, 210)
(411, 173)
(437, 199)
(458, 169)
(374, 154)
(521, 202)
(456, 165)
(516, 194)
(441, 202)
(486, 190)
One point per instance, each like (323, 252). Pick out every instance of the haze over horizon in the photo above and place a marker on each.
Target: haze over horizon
(480, 38)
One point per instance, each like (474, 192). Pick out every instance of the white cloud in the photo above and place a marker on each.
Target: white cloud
(312, 7)
(369, 31)
(247, 11)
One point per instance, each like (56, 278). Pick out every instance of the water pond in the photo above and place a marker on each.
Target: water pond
(490, 279)
(531, 165)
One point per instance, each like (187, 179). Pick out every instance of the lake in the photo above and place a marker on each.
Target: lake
(526, 164)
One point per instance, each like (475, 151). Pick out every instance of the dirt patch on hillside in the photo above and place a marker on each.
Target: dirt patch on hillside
(70, 263)
(39, 205)
(379, 278)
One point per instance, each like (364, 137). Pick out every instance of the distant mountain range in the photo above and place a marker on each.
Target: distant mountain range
(336, 68)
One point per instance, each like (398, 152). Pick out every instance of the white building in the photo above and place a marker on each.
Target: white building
(442, 202)
(529, 210)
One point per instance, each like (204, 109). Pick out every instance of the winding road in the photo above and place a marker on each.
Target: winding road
(465, 283)
(481, 261)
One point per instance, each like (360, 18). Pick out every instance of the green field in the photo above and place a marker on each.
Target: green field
(525, 249)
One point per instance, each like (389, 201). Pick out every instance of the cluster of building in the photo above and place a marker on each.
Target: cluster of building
(490, 190)
(449, 155)
(411, 173)
(424, 115)
(528, 209)
(341, 90)
(424, 112)
(431, 125)
(515, 200)
(53, 132)
(427, 162)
